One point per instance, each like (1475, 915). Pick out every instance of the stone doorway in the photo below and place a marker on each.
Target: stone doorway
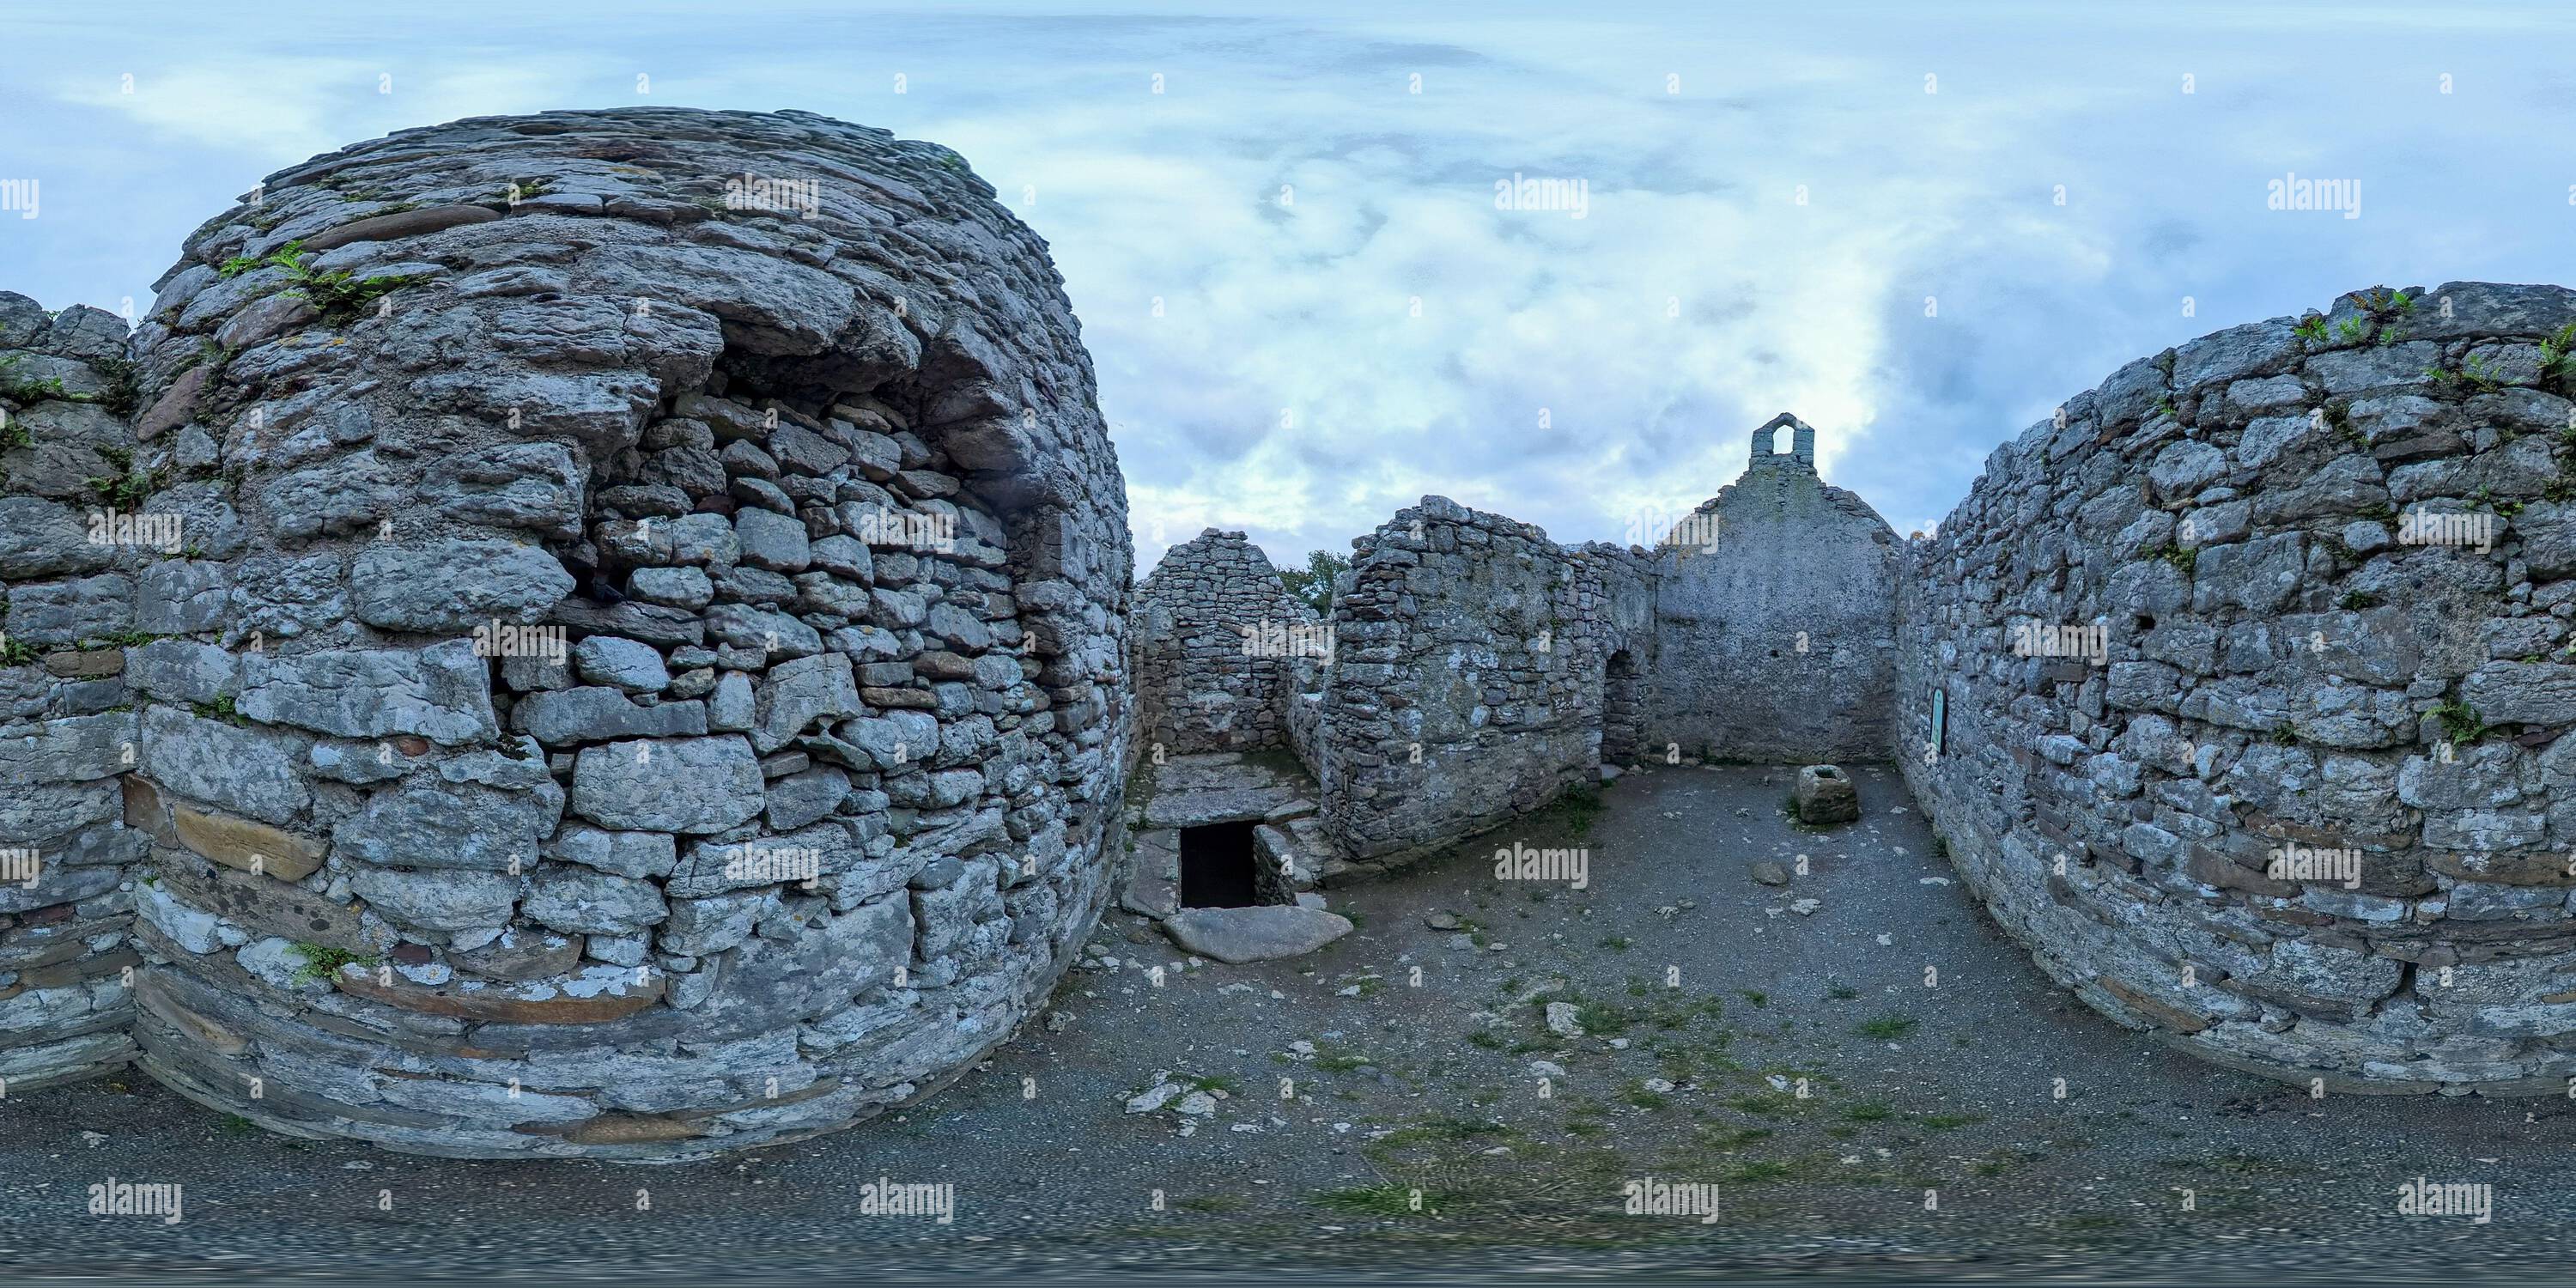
(1217, 803)
(1218, 867)
(1623, 709)
(1227, 848)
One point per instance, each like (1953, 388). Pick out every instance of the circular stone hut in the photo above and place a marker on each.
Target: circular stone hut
(640, 668)
(2241, 689)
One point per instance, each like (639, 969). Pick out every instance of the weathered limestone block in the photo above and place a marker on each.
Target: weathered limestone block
(443, 693)
(799, 692)
(705, 927)
(1826, 795)
(450, 825)
(535, 486)
(577, 900)
(624, 664)
(634, 855)
(452, 587)
(570, 716)
(246, 771)
(684, 785)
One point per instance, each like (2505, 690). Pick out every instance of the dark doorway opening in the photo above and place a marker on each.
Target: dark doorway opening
(1623, 709)
(1217, 866)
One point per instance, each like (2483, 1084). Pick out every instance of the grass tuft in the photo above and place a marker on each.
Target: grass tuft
(1887, 1028)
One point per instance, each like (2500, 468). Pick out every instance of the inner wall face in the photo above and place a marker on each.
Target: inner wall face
(2241, 693)
(644, 673)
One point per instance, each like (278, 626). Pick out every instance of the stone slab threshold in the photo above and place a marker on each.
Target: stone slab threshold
(1225, 787)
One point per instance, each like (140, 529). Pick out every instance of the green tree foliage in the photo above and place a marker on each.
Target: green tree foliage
(1314, 582)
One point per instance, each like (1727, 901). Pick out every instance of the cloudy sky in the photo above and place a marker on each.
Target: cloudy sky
(1916, 225)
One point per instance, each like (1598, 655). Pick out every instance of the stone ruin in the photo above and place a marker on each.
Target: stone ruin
(2298, 799)
(638, 667)
(1216, 688)
(1477, 670)
(609, 634)
(1775, 617)
(2235, 688)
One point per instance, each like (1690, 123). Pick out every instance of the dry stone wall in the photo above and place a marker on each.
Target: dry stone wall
(1474, 670)
(1471, 664)
(68, 728)
(1775, 618)
(608, 634)
(1219, 647)
(643, 669)
(2253, 676)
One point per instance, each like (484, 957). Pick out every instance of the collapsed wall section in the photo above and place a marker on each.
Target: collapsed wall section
(643, 671)
(1472, 667)
(2240, 691)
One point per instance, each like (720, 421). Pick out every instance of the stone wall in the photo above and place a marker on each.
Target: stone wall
(1470, 658)
(1775, 618)
(608, 634)
(1481, 669)
(1218, 643)
(2193, 627)
(644, 669)
(68, 728)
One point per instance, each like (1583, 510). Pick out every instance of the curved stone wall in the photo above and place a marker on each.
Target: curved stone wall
(642, 671)
(2256, 665)
(67, 727)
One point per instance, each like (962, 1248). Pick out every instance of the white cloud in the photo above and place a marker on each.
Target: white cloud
(1307, 310)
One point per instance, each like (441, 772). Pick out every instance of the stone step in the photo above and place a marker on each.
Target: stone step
(1311, 854)
(1239, 935)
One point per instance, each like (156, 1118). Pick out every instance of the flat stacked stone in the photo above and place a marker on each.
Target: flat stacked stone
(68, 729)
(644, 673)
(2303, 803)
(1222, 649)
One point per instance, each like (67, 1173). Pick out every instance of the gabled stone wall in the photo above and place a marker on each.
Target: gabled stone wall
(2284, 665)
(644, 672)
(1219, 645)
(1775, 618)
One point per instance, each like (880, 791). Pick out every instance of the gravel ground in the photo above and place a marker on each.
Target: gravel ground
(1931, 1140)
